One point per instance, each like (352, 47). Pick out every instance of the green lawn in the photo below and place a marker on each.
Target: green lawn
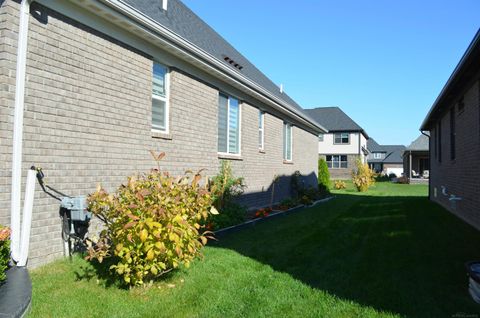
(387, 253)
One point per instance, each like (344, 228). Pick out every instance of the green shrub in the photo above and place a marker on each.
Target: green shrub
(323, 175)
(4, 251)
(151, 225)
(225, 188)
(363, 177)
(288, 203)
(339, 185)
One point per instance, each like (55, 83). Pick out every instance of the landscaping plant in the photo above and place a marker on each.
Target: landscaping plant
(363, 177)
(225, 188)
(4, 251)
(323, 176)
(339, 185)
(151, 224)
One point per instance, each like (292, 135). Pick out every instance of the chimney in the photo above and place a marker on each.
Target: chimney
(164, 4)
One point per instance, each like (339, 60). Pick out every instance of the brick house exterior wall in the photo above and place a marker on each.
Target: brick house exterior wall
(461, 176)
(87, 120)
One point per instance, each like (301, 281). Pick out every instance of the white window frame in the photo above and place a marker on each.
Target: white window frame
(228, 153)
(377, 155)
(165, 99)
(339, 161)
(341, 142)
(261, 130)
(285, 125)
(321, 137)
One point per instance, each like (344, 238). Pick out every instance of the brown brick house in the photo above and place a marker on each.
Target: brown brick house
(101, 83)
(454, 126)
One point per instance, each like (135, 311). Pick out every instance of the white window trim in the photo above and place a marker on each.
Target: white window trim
(166, 99)
(377, 155)
(221, 153)
(339, 161)
(322, 137)
(341, 142)
(285, 143)
(262, 130)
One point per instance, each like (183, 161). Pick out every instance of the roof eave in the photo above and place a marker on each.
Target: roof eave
(132, 15)
(466, 56)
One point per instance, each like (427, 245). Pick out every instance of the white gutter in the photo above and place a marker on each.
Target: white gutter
(18, 128)
(241, 79)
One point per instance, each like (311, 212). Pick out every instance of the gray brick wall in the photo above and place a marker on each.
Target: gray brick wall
(343, 173)
(87, 121)
(461, 176)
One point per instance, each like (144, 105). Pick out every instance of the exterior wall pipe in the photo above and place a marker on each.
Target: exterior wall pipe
(27, 217)
(18, 128)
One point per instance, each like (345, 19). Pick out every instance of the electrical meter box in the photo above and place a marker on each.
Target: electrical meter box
(77, 207)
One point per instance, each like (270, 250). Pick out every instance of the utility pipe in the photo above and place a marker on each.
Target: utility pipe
(18, 128)
(27, 217)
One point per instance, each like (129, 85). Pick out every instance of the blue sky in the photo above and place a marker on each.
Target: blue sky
(383, 62)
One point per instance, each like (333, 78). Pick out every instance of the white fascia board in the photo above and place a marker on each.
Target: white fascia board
(134, 16)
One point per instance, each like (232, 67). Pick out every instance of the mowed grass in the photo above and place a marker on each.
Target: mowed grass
(387, 253)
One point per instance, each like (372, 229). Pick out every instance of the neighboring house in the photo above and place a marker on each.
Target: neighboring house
(454, 126)
(344, 143)
(101, 83)
(385, 159)
(416, 159)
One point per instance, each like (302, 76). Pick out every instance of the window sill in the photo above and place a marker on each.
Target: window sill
(288, 162)
(161, 135)
(229, 156)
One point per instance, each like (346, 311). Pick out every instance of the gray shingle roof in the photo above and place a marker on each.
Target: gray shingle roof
(334, 119)
(420, 144)
(185, 23)
(393, 153)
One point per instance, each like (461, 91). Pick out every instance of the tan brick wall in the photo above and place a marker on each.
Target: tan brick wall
(461, 176)
(87, 120)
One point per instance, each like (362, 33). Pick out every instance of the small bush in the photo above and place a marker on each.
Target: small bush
(323, 175)
(363, 177)
(306, 200)
(225, 188)
(151, 225)
(339, 185)
(288, 203)
(263, 213)
(392, 176)
(4, 251)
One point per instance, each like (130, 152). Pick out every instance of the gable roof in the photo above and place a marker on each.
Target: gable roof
(420, 144)
(334, 119)
(182, 21)
(373, 146)
(393, 153)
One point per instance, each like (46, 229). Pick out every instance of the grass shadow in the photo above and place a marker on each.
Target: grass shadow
(400, 254)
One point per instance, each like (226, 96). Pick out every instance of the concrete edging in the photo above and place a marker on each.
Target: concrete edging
(252, 222)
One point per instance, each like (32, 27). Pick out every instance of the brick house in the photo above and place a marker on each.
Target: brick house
(385, 159)
(344, 143)
(416, 158)
(104, 82)
(454, 126)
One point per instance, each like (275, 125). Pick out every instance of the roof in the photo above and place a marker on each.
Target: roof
(420, 144)
(373, 146)
(334, 119)
(468, 65)
(179, 19)
(394, 153)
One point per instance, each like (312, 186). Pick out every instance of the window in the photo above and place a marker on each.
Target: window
(320, 137)
(337, 161)
(377, 155)
(439, 140)
(287, 142)
(160, 97)
(341, 138)
(261, 129)
(452, 134)
(228, 125)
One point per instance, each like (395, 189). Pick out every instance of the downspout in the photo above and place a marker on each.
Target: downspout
(18, 128)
